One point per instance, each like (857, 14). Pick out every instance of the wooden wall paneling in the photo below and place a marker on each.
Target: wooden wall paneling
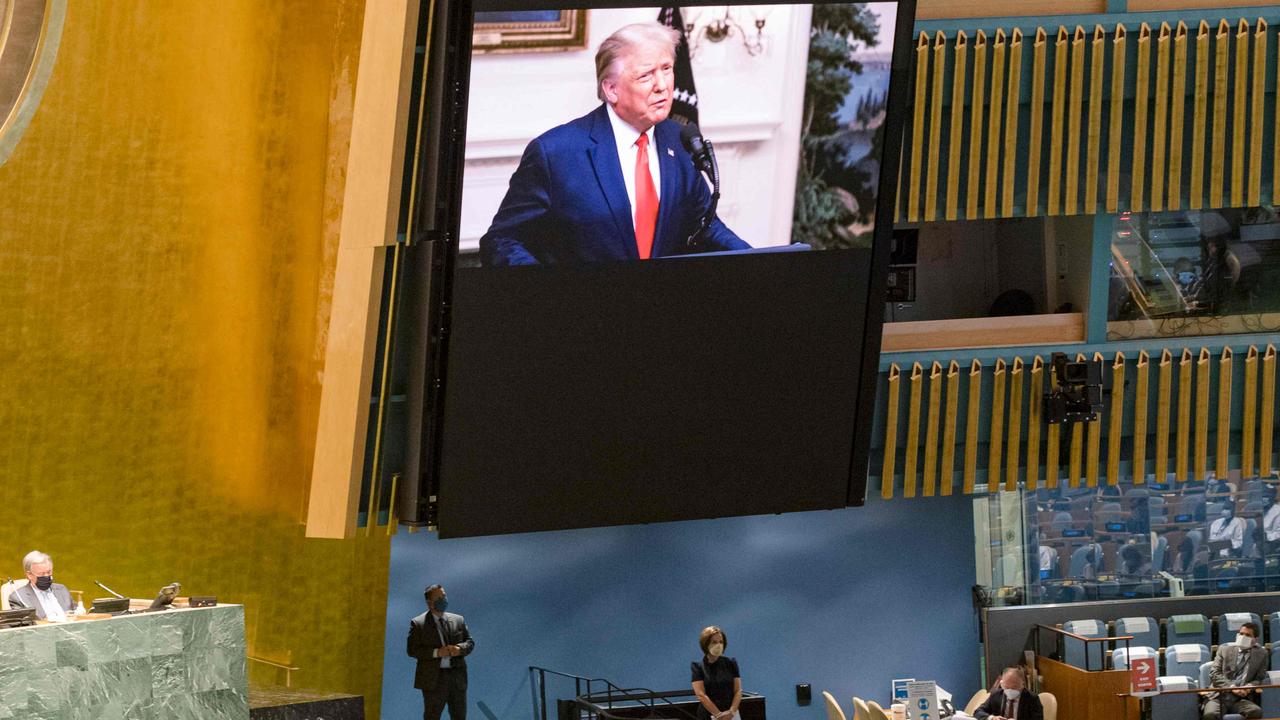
(1013, 104)
(1177, 116)
(1141, 390)
(935, 127)
(1039, 49)
(1097, 58)
(955, 139)
(1200, 118)
(1115, 138)
(1141, 106)
(973, 188)
(893, 394)
(1159, 132)
(1060, 48)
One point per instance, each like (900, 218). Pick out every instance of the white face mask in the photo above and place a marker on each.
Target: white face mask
(1244, 641)
(1012, 694)
(715, 649)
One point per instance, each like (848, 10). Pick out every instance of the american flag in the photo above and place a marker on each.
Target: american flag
(684, 108)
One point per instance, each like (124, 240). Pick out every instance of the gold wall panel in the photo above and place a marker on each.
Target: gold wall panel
(167, 245)
(1084, 78)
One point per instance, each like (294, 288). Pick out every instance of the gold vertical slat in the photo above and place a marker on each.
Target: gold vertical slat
(1114, 430)
(1052, 449)
(1097, 56)
(911, 462)
(955, 139)
(1238, 116)
(1177, 115)
(392, 520)
(1259, 100)
(1218, 158)
(971, 427)
(1185, 389)
(931, 430)
(1224, 413)
(949, 428)
(1200, 116)
(995, 439)
(1036, 139)
(1093, 448)
(1164, 413)
(1141, 103)
(1116, 137)
(371, 514)
(917, 127)
(1159, 129)
(1075, 111)
(1013, 102)
(973, 188)
(1034, 418)
(994, 117)
(1076, 459)
(893, 392)
(935, 128)
(1140, 393)
(1059, 111)
(1249, 422)
(1014, 443)
(1202, 415)
(1275, 165)
(1267, 414)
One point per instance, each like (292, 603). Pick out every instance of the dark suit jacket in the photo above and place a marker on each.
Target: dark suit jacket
(567, 202)
(1029, 707)
(25, 597)
(424, 639)
(1221, 673)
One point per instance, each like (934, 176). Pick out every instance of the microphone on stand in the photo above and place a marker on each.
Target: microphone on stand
(704, 160)
(113, 592)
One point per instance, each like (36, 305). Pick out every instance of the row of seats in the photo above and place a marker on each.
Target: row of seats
(1176, 631)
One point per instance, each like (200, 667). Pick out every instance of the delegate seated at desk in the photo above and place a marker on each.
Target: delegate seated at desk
(1271, 518)
(1239, 663)
(51, 600)
(1011, 701)
(1228, 528)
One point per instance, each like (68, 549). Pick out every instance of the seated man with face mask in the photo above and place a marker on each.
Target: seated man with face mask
(1228, 529)
(1236, 664)
(51, 601)
(1011, 700)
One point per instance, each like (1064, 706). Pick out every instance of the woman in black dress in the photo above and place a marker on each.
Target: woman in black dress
(716, 681)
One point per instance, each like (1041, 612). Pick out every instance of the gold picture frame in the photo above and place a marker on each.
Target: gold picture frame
(519, 31)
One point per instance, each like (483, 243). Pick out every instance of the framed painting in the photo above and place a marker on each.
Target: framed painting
(511, 31)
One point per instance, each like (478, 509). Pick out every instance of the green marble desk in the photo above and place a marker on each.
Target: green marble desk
(170, 665)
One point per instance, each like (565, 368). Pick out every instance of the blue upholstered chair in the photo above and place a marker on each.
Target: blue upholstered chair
(1184, 629)
(1074, 650)
(1145, 631)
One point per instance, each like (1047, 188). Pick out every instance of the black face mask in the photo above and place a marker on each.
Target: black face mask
(44, 582)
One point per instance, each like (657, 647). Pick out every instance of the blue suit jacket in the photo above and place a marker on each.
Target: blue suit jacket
(567, 202)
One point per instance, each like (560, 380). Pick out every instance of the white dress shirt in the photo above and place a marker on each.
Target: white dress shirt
(625, 137)
(1047, 554)
(1271, 523)
(53, 611)
(1232, 530)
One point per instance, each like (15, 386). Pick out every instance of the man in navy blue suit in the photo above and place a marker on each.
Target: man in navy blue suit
(615, 184)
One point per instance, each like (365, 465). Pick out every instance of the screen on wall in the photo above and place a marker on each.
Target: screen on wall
(669, 234)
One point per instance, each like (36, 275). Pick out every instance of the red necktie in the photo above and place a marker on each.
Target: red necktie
(646, 200)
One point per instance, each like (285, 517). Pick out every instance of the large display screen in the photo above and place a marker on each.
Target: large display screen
(672, 226)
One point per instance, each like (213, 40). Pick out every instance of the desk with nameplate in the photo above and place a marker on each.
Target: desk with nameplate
(175, 664)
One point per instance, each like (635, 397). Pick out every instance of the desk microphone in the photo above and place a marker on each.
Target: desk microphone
(704, 161)
(113, 592)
